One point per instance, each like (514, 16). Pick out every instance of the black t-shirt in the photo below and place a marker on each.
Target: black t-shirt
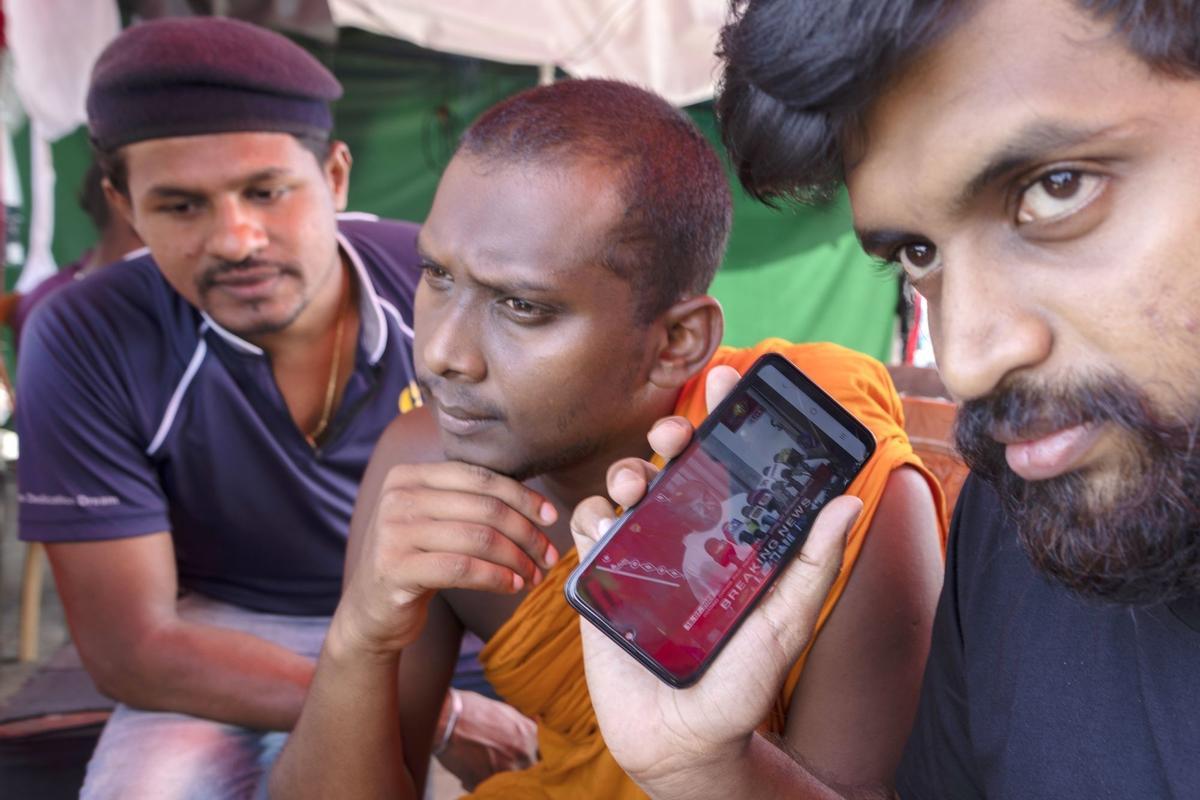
(1031, 692)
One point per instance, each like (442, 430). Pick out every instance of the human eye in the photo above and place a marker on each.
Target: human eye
(917, 259)
(177, 208)
(524, 310)
(434, 273)
(1057, 194)
(267, 194)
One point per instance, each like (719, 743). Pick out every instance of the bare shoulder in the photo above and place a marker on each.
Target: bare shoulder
(906, 496)
(895, 584)
(898, 574)
(902, 551)
(853, 706)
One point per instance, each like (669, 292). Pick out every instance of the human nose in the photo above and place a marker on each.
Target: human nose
(237, 233)
(985, 326)
(451, 343)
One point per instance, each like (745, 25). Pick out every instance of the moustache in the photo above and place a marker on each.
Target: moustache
(221, 268)
(1025, 411)
(444, 394)
(1136, 544)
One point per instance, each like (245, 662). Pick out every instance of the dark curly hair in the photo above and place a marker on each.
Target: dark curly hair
(799, 74)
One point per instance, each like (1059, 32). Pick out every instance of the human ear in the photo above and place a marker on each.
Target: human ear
(337, 172)
(693, 329)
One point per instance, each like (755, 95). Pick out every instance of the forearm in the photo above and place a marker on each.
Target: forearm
(759, 770)
(347, 743)
(209, 672)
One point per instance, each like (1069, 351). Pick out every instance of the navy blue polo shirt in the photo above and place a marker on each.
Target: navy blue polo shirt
(139, 414)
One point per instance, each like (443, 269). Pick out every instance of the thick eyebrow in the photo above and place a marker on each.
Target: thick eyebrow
(173, 192)
(270, 173)
(1034, 144)
(521, 286)
(501, 287)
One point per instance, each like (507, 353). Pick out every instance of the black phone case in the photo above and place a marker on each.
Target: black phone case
(810, 388)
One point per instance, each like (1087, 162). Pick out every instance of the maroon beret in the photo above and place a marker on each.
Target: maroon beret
(198, 75)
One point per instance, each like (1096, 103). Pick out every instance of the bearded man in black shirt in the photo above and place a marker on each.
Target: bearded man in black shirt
(1033, 167)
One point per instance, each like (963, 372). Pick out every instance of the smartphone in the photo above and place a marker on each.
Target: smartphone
(679, 571)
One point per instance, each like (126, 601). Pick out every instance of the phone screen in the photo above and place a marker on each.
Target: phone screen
(676, 575)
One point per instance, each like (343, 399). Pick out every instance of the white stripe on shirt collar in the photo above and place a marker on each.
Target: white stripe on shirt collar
(232, 338)
(370, 312)
(168, 419)
(391, 309)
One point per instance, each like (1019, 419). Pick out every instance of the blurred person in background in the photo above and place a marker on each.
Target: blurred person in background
(116, 240)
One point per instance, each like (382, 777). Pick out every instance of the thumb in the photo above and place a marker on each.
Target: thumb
(718, 383)
(792, 608)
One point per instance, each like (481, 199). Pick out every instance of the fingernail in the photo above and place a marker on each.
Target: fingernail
(625, 476)
(548, 513)
(518, 583)
(667, 423)
(551, 557)
(604, 525)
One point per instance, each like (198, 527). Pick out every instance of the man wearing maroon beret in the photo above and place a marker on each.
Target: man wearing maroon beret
(196, 424)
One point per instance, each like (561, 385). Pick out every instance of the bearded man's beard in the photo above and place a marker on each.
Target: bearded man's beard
(1134, 540)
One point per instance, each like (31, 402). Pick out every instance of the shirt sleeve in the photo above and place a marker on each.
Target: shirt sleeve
(83, 472)
(937, 761)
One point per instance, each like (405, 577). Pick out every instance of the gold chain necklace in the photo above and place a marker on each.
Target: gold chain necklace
(334, 368)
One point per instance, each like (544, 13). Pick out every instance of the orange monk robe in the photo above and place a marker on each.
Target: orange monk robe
(535, 660)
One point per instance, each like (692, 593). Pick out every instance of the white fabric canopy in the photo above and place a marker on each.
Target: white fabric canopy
(54, 44)
(665, 45)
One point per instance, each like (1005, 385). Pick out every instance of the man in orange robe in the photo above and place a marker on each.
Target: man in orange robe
(562, 311)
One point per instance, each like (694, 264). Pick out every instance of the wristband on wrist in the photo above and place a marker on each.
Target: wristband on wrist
(456, 706)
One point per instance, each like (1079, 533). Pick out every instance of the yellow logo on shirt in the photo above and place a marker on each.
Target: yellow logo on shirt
(410, 398)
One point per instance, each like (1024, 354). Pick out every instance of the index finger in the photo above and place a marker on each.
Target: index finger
(458, 476)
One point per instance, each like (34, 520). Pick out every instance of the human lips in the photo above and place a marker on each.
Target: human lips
(248, 281)
(461, 421)
(1043, 454)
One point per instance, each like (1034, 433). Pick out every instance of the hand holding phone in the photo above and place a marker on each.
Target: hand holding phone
(680, 571)
(715, 719)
